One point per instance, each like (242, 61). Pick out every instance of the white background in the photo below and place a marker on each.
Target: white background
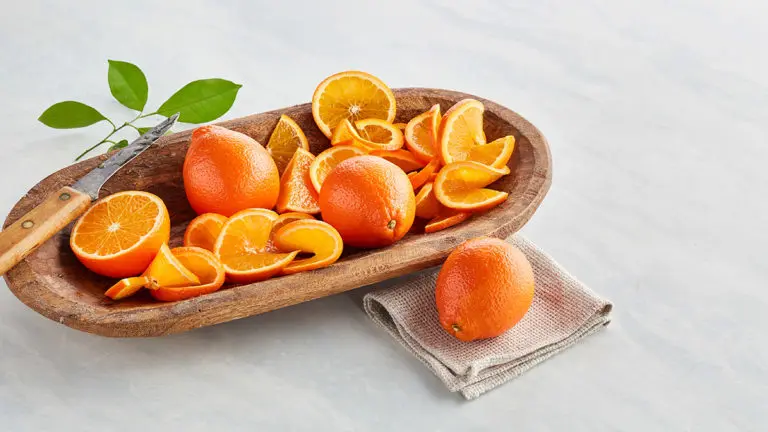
(656, 112)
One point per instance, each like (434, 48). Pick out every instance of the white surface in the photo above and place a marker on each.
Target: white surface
(656, 114)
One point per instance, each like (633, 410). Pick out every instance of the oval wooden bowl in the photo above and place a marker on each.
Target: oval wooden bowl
(52, 281)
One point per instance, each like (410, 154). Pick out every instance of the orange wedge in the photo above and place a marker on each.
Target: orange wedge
(204, 265)
(432, 177)
(446, 219)
(461, 130)
(120, 235)
(402, 158)
(203, 230)
(495, 153)
(285, 139)
(419, 178)
(421, 134)
(379, 134)
(164, 271)
(427, 206)
(326, 161)
(462, 186)
(242, 247)
(351, 95)
(280, 222)
(345, 134)
(309, 236)
(297, 194)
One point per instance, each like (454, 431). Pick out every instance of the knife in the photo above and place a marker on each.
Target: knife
(65, 205)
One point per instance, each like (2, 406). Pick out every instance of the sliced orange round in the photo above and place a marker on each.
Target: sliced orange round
(421, 134)
(461, 130)
(242, 247)
(203, 230)
(120, 235)
(285, 139)
(427, 206)
(204, 265)
(309, 236)
(380, 134)
(326, 161)
(280, 222)
(351, 95)
(419, 178)
(164, 271)
(462, 186)
(402, 158)
(446, 219)
(297, 194)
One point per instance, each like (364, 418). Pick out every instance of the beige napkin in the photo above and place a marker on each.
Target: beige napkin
(563, 312)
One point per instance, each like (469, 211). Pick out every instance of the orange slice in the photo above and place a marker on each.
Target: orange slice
(203, 230)
(345, 134)
(204, 265)
(461, 186)
(495, 153)
(419, 178)
(280, 222)
(297, 194)
(164, 271)
(446, 219)
(379, 134)
(461, 130)
(326, 161)
(400, 126)
(427, 206)
(402, 158)
(242, 247)
(120, 235)
(285, 139)
(309, 236)
(421, 134)
(352, 95)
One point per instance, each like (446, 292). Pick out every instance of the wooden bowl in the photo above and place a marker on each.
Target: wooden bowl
(52, 281)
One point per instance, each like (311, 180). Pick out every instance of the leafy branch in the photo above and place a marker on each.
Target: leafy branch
(200, 101)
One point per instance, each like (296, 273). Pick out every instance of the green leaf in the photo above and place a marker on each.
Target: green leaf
(143, 130)
(69, 115)
(128, 84)
(120, 144)
(201, 101)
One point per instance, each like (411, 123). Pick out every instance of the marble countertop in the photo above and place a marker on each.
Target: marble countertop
(656, 115)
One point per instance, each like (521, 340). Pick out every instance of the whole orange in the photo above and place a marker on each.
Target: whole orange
(484, 288)
(369, 201)
(227, 171)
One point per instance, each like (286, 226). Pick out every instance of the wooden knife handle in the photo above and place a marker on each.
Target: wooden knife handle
(41, 223)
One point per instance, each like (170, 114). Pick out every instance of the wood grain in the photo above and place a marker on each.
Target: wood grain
(40, 224)
(52, 282)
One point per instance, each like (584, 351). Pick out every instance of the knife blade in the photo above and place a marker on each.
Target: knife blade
(65, 205)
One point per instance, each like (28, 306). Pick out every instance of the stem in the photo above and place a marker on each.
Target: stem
(115, 128)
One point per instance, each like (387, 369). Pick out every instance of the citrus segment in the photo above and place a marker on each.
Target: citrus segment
(461, 129)
(419, 178)
(427, 205)
(402, 158)
(126, 287)
(379, 134)
(285, 139)
(297, 194)
(204, 265)
(495, 153)
(446, 218)
(280, 222)
(203, 230)
(344, 134)
(421, 134)
(309, 236)
(461, 186)
(326, 161)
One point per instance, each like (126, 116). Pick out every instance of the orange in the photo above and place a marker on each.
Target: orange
(120, 235)
(427, 205)
(461, 186)
(402, 158)
(226, 171)
(419, 178)
(446, 218)
(309, 236)
(326, 161)
(285, 139)
(461, 130)
(203, 230)
(421, 134)
(379, 134)
(204, 265)
(369, 201)
(242, 247)
(164, 271)
(352, 95)
(297, 194)
(484, 288)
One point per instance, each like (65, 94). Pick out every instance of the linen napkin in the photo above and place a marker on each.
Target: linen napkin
(563, 312)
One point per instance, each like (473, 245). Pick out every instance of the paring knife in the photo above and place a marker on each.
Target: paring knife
(68, 203)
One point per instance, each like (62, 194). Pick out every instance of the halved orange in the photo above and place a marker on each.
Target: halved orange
(402, 158)
(120, 235)
(280, 222)
(164, 271)
(421, 134)
(296, 191)
(326, 161)
(427, 206)
(419, 178)
(204, 265)
(446, 218)
(309, 236)
(462, 186)
(351, 95)
(203, 230)
(242, 247)
(285, 139)
(461, 130)
(379, 134)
